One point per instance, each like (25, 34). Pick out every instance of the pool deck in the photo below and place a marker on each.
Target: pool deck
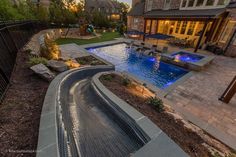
(196, 98)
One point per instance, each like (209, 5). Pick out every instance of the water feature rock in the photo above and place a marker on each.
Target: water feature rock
(43, 72)
(58, 66)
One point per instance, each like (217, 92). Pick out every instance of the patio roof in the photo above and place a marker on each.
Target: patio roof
(204, 13)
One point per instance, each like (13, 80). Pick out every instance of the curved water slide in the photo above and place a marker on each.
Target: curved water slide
(79, 120)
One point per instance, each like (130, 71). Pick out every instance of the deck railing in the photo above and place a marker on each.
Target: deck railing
(13, 36)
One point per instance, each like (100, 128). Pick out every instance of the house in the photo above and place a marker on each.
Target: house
(200, 21)
(110, 8)
(227, 38)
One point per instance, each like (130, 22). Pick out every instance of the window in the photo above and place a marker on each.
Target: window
(228, 31)
(177, 27)
(148, 26)
(210, 2)
(167, 4)
(184, 3)
(136, 20)
(190, 3)
(221, 2)
(149, 5)
(183, 29)
(199, 3)
(199, 28)
(191, 28)
(135, 23)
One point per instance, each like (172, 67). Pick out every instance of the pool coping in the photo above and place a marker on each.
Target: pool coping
(159, 144)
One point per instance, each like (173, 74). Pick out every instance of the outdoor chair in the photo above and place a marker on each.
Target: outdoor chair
(165, 49)
(152, 51)
(140, 46)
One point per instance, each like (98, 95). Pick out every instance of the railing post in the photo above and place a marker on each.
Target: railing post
(229, 92)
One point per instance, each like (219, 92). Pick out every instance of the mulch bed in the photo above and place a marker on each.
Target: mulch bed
(20, 111)
(188, 140)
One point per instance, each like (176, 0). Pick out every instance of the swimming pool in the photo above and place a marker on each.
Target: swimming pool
(187, 57)
(145, 68)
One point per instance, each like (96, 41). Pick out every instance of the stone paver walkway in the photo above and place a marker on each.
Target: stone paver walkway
(72, 51)
(197, 100)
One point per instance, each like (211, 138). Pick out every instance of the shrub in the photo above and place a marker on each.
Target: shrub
(126, 82)
(156, 103)
(107, 77)
(37, 60)
(51, 49)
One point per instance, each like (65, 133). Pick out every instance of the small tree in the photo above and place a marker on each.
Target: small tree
(8, 11)
(26, 9)
(100, 20)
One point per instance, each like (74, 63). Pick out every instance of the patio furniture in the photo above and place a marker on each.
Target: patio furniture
(165, 49)
(159, 36)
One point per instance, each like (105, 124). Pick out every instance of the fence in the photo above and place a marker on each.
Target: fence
(13, 36)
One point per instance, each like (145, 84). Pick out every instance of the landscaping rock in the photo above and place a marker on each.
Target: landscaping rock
(33, 53)
(58, 66)
(43, 72)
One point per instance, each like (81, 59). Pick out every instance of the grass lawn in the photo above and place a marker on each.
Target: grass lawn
(105, 37)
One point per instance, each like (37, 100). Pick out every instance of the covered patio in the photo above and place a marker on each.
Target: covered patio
(191, 27)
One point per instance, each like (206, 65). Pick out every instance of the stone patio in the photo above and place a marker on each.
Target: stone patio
(197, 100)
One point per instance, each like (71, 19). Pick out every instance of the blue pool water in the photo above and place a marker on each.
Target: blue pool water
(145, 68)
(187, 57)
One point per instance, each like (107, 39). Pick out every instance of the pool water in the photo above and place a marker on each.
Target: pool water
(187, 57)
(143, 67)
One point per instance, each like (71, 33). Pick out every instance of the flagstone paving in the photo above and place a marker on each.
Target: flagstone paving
(197, 100)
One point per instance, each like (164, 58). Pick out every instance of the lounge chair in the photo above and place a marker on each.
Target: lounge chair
(152, 51)
(139, 46)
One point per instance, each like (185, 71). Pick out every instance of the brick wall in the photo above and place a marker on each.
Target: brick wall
(138, 26)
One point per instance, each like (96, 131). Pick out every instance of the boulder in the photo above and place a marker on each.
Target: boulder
(43, 72)
(58, 66)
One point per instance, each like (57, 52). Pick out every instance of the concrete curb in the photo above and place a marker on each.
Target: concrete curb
(156, 142)
(54, 138)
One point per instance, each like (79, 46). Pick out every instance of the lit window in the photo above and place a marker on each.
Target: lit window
(191, 28)
(199, 29)
(183, 29)
(177, 27)
(190, 3)
(210, 2)
(200, 3)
